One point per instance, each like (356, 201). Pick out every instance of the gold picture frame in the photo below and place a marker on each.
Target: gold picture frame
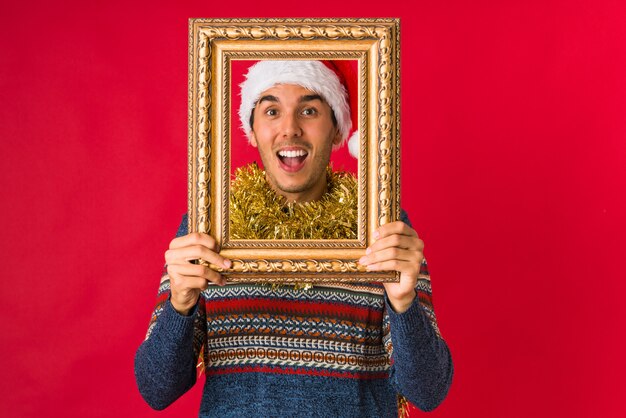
(375, 44)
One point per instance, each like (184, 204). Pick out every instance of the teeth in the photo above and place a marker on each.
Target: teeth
(291, 154)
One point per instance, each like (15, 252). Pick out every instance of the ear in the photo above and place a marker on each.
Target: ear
(337, 138)
(252, 139)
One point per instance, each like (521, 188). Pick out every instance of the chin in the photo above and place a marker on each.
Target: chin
(292, 188)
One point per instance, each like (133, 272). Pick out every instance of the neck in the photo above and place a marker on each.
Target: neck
(312, 194)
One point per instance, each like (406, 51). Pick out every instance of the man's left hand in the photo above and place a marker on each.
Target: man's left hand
(397, 247)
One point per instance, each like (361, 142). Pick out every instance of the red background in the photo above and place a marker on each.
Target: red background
(514, 169)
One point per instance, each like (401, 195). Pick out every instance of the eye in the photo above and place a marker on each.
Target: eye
(271, 112)
(309, 111)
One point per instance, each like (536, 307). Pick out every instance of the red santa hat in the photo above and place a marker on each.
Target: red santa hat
(333, 80)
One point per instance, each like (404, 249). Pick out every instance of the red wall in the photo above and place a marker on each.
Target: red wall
(514, 169)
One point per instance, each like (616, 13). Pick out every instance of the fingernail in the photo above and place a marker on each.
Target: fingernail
(376, 234)
(227, 263)
(369, 250)
(363, 260)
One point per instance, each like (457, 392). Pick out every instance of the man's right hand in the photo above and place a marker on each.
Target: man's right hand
(187, 280)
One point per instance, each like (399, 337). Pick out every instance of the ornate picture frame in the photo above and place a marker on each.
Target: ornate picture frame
(213, 43)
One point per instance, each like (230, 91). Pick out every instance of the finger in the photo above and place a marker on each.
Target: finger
(195, 252)
(393, 253)
(195, 271)
(397, 240)
(180, 283)
(397, 227)
(404, 267)
(195, 238)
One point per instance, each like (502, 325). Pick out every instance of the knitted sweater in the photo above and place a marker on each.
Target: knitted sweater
(334, 350)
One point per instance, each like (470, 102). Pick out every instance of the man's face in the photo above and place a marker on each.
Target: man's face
(294, 132)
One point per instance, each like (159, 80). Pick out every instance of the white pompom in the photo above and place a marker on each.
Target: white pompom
(353, 144)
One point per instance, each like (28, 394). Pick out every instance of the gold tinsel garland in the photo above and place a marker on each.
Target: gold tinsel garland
(257, 212)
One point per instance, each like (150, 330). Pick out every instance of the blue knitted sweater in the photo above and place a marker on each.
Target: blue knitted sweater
(334, 350)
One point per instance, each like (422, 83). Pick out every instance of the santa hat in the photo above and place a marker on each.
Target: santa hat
(333, 80)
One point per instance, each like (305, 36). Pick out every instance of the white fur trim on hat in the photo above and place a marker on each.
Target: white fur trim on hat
(312, 75)
(353, 144)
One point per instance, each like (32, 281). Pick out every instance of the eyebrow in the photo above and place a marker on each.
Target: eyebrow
(268, 98)
(311, 97)
(305, 98)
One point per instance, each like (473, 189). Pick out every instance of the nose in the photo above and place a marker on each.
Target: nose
(290, 127)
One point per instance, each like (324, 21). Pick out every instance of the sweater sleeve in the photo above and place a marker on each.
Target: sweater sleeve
(422, 366)
(165, 363)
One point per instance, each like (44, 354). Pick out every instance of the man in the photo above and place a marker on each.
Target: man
(334, 350)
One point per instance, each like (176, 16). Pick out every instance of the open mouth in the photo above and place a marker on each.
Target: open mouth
(292, 159)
